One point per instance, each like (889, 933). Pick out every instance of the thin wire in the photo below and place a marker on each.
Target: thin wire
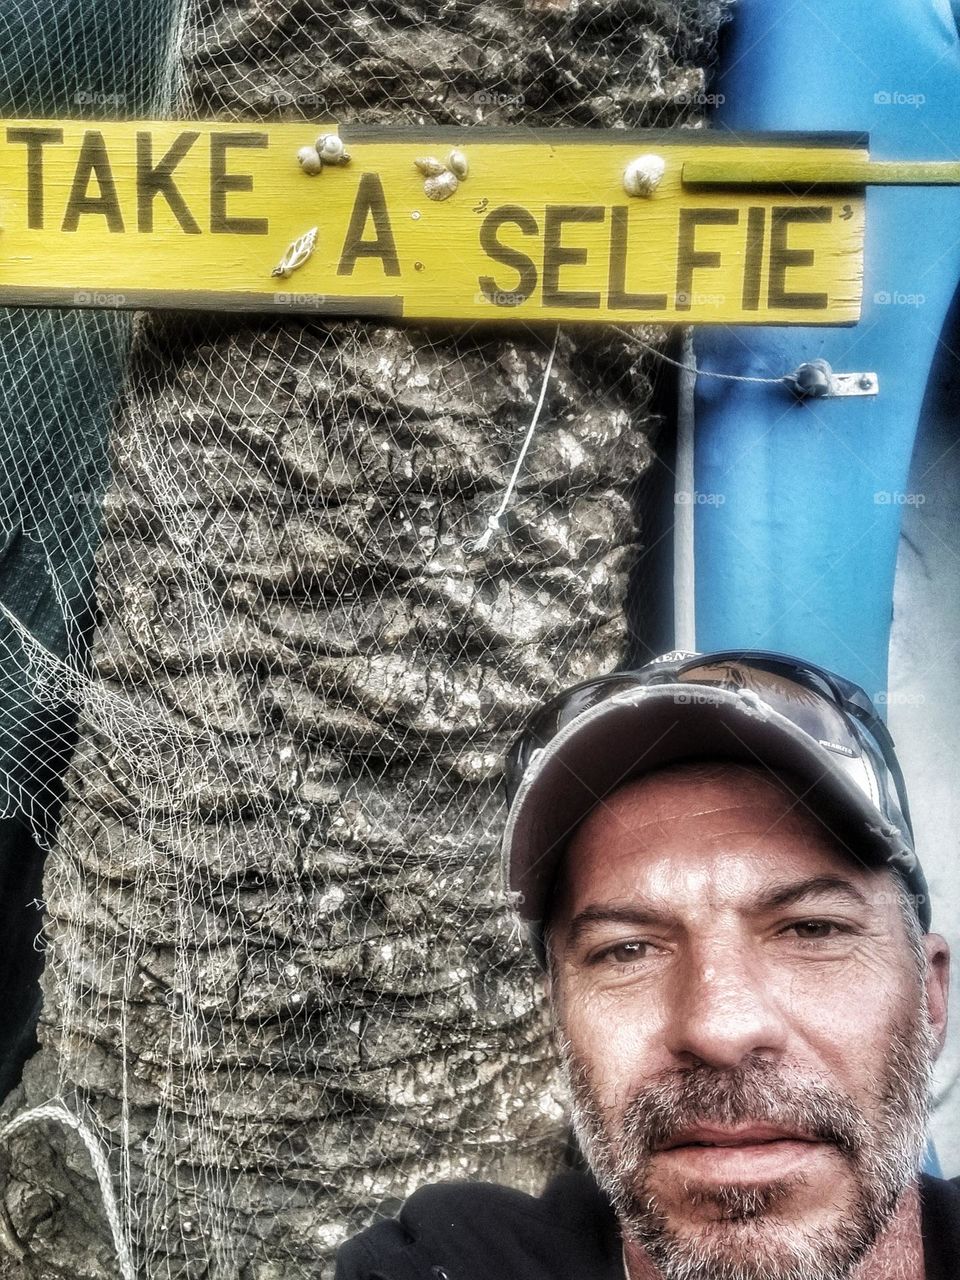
(692, 368)
(493, 522)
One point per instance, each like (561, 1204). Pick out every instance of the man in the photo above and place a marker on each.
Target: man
(714, 858)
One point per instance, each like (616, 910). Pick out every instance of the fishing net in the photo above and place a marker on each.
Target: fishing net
(253, 602)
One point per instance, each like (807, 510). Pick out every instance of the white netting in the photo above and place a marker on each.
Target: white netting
(281, 988)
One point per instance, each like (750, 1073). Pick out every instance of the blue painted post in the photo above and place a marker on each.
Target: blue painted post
(799, 553)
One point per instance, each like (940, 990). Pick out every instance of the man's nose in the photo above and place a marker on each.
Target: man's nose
(723, 1008)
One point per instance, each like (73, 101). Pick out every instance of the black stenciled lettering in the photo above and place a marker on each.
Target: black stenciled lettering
(782, 257)
(369, 203)
(35, 140)
(93, 162)
(157, 179)
(556, 254)
(516, 292)
(222, 183)
(617, 297)
(689, 257)
(753, 257)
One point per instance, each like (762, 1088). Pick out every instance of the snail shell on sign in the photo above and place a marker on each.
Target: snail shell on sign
(441, 185)
(297, 253)
(330, 146)
(457, 163)
(430, 166)
(310, 161)
(642, 176)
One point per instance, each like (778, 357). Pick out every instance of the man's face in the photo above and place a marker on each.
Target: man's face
(746, 1030)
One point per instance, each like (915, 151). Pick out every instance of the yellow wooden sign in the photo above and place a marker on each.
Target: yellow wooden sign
(446, 224)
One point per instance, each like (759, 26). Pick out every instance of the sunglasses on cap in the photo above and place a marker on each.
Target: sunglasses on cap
(748, 704)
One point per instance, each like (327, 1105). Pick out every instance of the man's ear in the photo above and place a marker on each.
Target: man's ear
(937, 983)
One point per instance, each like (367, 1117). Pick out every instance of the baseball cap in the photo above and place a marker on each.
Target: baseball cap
(750, 705)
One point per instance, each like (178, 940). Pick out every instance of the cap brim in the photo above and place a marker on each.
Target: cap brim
(641, 729)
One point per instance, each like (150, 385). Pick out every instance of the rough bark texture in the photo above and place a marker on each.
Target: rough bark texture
(281, 973)
(602, 63)
(360, 1015)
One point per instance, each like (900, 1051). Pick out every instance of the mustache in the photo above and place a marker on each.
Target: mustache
(752, 1092)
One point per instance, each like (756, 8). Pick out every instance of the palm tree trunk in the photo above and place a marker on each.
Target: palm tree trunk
(280, 976)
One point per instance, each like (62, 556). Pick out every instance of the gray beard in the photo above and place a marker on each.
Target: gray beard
(746, 1243)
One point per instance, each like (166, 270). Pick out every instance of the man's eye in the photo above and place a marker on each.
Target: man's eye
(814, 929)
(625, 952)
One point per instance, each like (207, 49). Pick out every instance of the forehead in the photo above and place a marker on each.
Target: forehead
(710, 832)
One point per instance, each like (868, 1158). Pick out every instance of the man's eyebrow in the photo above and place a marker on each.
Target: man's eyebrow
(584, 920)
(803, 890)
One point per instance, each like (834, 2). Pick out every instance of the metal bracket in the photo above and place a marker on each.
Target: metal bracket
(815, 379)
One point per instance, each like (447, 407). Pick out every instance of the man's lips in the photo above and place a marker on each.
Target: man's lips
(752, 1135)
(749, 1153)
